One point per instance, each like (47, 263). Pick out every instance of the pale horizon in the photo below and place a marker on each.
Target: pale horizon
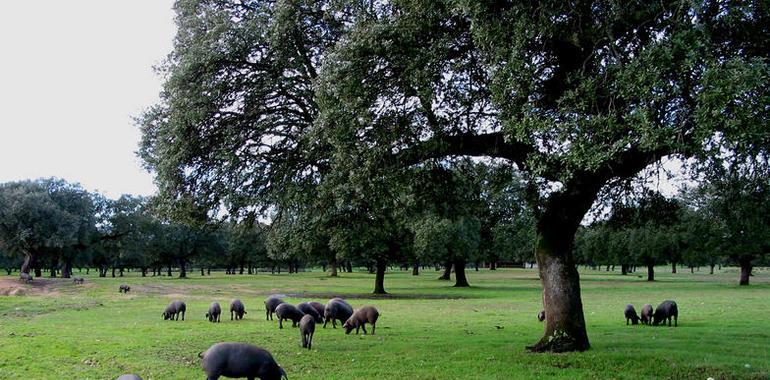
(72, 77)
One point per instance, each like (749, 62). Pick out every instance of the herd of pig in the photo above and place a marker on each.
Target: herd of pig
(239, 360)
(663, 313)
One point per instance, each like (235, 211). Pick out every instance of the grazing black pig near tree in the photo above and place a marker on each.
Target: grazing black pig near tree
(238, 360)
(129, 377)
(337, 310)
(270, 305)
(646, 314)
(306, 308)
(124, 288)
(306, 330)
(214, 312)
(631, 315)
(541, 315)
(237, 309)
(360, 318)
(290, 312)
(174, 309)
(665, 311)
(78, 280)
(25, 278)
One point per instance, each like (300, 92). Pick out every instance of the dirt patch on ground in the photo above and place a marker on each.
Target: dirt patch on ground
(38, 286)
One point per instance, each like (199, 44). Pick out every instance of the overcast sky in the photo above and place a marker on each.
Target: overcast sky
(72, 76)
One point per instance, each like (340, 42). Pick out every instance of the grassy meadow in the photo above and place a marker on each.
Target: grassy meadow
(427, 328)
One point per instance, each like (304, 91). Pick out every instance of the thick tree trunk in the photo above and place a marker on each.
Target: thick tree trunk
(38, 272)
(66, 272)
(349, 267)
(113, 271)
(27, 264)
(493, 265)
(144, 271)
(168, 272)
(460, 280)
(650, 272)
(624, 269)
(447, 271)
(565, 327)
(745, 271)
(334, 269)
(120, 271)
(182, 268)
(673, 267)
(711, 269)
(203, 271)
(692, 270)
(416, 269)
(379, 279)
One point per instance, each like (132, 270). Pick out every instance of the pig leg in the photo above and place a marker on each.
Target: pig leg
(280, 323)
(363, 327)
(183, 315)
(374, 325)
(310, 341)
(675, 321)
(325, 322)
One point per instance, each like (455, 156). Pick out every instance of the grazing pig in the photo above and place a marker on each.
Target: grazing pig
(290, 312)
(337, 310)
(630, 314)
(646, 314)
(78, 280)
(541, 315)
(214, 312)
(665, 311)
(129, 377)
(319, 307)
(238, 360)
(306, 330)
(306, 308)
(360, 318)
(124, 288)
(237, 309)
(25, 278)
(174, 309)
(270, 305)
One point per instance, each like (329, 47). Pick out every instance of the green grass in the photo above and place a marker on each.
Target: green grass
(427, 329)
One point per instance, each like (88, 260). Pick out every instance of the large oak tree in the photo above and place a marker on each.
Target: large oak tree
(265, 99)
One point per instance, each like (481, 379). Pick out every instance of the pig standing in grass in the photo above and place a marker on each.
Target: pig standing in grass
(270, 305)
(290, 312)
(174, 309)
(646, 314)
(124, 288)
(237, 309)
(541, 315)
(337, 310)
(360, 318)
(78, 280)
(25, 278)
(306, 330)
(238, 360)
(665, 311)
(319, 307)
(308, 309)
(129, 377)
(214, 312)
(631, 315)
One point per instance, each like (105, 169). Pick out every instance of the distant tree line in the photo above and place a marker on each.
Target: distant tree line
(721, 222)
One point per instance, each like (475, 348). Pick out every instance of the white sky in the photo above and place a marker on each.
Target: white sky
(72, 75)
